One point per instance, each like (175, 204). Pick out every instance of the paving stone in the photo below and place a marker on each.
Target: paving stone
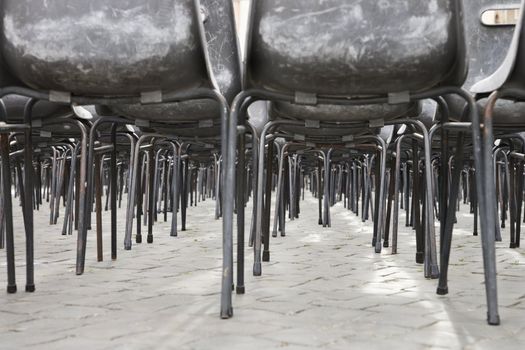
(324, 288)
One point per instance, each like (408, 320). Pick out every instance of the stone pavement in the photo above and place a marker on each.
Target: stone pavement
(325, 288)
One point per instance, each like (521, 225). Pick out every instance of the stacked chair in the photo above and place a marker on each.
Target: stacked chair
(111, 54)
(318, 62)
(337, 97)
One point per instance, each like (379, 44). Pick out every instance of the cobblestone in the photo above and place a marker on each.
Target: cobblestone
(325, 288)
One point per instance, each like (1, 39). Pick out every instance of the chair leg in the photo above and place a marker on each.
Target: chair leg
(137, 193)
(391, 194)
(2, 225)
(228, 147)
(113, 193)
(449, 218)
(397, 180)
(241, 185)
(175, 193)
(98, 207)
(279, 191)
(519, 203)
(416, 213)
(406, 194)
(8, 213)
(512, 201)
(326, 189)
(319, 192)
(268, 202)
(68, 214)
(184, 193)
(151, 194)
(487, 232)
(83, 208)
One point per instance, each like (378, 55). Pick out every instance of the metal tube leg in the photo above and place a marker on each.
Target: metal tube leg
(113, 194)
(241, 178)
(68, 214)
(326, 189)
(416, 205)
(228, 147)
(397, 181)
(2, 225)
(132, 196)
(29, 195)
(320, 167)
(151, 195)
(279, 191)
(380, 206)
(175, 193)
(268, 203)
(391, 194)
(487, 232)
(8, 213)
(84, 211)
(140, 200)
(98, 207)
(184, 193)
(449, 217)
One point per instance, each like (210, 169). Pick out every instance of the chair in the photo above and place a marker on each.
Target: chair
(118, 53)
(352, 53)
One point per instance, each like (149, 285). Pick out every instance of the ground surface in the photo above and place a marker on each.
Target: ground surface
(325, 288)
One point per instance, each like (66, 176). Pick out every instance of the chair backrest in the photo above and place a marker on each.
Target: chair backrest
(100, 47)
(511, 71)
(488, 35)
(353, 47)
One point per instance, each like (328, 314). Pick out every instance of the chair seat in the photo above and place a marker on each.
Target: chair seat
(329, 132)
(170, 113)
(98, 47)
(506, 113)
(15, 105)
(341, 113)
(336, 47)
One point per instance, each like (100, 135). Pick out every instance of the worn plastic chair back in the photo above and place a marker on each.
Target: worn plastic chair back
(96, 47)
(341, 47)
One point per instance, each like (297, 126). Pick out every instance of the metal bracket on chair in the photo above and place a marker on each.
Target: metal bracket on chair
(347, 138)
(142, 123)
(209, 146)
(305, 98)
(208, 123)
(376, 123)
(59, 96)
(151, 97)
(299, 137)
(395, 98)
(312, 124)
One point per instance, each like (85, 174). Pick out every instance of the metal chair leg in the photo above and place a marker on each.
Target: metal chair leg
(8, 213)
(240, 212)
(487, 232)
(98, 207)
(267, 202)
(113, 193)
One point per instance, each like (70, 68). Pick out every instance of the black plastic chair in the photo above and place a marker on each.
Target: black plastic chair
(100, 53)
(354, 53)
